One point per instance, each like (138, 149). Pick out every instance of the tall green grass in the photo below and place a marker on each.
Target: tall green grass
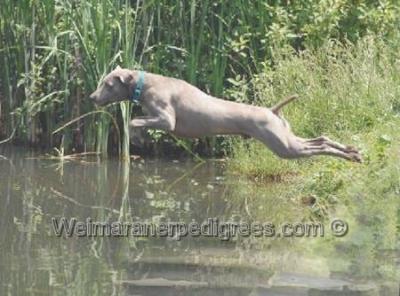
(55, 52)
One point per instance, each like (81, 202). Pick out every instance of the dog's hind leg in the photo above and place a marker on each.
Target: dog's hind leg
(325, 140)
(325, 149)
(281, 140)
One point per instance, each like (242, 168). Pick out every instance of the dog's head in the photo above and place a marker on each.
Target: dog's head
(116, 86)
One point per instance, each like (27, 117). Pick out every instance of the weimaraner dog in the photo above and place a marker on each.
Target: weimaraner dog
(178, 107)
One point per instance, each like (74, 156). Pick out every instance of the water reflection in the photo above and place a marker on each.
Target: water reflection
(36, 262)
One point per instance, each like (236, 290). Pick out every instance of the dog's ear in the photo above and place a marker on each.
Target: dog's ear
(125, 78)
(117, 67)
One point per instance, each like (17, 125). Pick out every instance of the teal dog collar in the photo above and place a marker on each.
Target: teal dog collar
(139, 86)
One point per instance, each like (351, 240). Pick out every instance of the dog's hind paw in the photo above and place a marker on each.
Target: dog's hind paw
(351, 149)
(356, 157)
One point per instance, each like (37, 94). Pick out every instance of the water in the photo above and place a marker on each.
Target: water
(35, 261)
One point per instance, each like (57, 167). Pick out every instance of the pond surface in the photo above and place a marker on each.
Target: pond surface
(35, 261)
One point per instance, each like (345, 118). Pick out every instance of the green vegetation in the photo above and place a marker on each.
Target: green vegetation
(348, 92)
(55, 52)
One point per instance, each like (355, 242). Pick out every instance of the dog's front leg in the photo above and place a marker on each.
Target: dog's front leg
(165, 123)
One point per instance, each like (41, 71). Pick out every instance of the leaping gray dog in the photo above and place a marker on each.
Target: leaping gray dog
(178, 107)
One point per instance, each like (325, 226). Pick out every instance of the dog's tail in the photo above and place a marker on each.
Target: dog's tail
(282, 103)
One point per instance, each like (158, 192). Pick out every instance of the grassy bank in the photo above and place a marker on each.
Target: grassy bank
(350, 93)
